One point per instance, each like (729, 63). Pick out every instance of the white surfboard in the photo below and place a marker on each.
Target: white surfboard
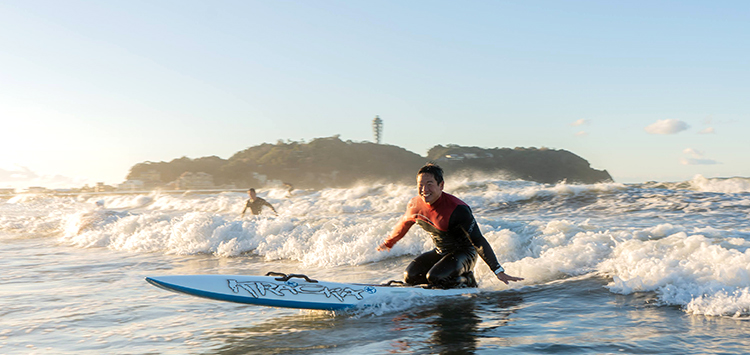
(292, 291)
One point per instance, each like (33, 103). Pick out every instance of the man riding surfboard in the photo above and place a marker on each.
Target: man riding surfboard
(454, 231)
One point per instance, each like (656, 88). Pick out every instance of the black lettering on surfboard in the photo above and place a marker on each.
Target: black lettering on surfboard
(275, 288)
(290, 288)
(235, 287)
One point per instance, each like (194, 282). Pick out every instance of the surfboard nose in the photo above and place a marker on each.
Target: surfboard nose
(151, 280)
(159, 283)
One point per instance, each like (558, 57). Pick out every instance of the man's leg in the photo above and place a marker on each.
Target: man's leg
(446, 271)
(416, 272)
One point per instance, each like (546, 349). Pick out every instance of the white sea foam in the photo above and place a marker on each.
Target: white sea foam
(494, 192)
(728, 185)
(682, 269)
(691, 249)
(548, 251)
(735, 303)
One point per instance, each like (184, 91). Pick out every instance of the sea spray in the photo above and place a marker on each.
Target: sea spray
(683, 270)
(688, 248)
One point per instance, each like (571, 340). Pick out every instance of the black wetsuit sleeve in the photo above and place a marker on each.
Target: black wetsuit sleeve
(463, 219)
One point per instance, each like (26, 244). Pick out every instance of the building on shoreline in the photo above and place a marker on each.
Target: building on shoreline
(194, 181)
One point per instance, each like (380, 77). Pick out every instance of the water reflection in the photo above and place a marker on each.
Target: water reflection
(441, 326)
(454, 325)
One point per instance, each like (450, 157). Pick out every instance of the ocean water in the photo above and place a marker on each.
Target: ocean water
(651, 268)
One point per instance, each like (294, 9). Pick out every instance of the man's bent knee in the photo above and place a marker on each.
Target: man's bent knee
(439, 279)
(413, 279)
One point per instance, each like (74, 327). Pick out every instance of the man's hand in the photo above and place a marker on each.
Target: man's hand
(383, 247)
(505, 277)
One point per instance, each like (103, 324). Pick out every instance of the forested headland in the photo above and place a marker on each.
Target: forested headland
(331, 162)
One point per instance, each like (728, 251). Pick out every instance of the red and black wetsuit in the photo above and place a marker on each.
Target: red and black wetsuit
(457, 241)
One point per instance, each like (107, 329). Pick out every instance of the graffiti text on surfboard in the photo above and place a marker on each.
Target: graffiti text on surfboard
(259, 288)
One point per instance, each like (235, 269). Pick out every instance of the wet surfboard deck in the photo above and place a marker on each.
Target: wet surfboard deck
(294, 291)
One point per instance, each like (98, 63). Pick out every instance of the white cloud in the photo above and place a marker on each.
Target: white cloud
(579, 122)
(16, 173)
(696, 158)
(23, 177)
(707, 130)
(582, 133)
(693, 152)
(670, 126)
(695, 161)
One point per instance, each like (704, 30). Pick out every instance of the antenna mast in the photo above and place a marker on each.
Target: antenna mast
(377, 128)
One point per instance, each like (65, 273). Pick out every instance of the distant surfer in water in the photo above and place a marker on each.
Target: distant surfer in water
(255, 204)
(454, 231)
(289, 189)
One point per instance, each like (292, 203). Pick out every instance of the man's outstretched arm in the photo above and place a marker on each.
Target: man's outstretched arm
(271, 206)
(465, 220)
(399, 232)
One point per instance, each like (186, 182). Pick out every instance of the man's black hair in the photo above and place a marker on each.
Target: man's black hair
(251, 189)
(434, 169)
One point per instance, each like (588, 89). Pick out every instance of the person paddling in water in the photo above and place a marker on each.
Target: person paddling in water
(454, 231)
(255, 203)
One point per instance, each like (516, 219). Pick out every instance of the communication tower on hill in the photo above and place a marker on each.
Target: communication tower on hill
(377, 128)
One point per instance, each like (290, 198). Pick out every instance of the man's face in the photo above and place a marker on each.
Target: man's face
(429, 189)
(251, 194)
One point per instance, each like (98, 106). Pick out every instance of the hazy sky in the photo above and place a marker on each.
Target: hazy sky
(649, 90)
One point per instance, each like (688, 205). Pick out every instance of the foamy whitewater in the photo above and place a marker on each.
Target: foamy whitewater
(608, 268)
